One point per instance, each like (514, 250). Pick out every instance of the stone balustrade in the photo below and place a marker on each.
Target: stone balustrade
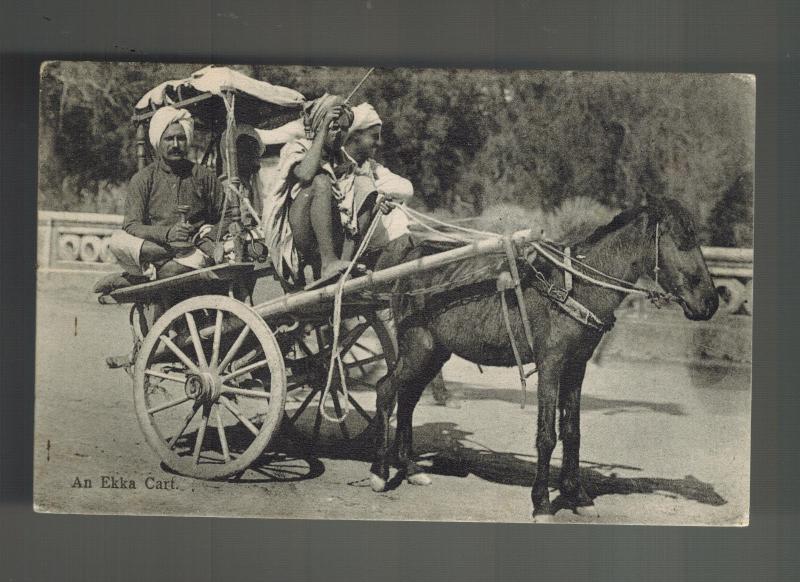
(75, 241)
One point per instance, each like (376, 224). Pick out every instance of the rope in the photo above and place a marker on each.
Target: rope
(629, 288)
(407, 212)
(522, 377)
(572, 259)
(421, 217)
(336, 357)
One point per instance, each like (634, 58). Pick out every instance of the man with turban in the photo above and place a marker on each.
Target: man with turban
(154, 236)
(309, 210)
(371, 177)
(362, 144)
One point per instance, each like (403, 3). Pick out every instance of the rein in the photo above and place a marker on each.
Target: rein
(658, 298)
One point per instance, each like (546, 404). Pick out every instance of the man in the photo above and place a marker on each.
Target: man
(371, 177)
(156, 237)
(309, 211)
(249, 149)
(362, 144)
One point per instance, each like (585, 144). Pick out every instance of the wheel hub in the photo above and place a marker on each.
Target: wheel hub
(204, 387)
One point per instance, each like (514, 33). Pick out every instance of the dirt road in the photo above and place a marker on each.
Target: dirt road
(661, 443)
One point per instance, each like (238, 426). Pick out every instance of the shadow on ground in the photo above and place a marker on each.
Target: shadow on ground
(441, 448)
(444, 449)
(588, 403)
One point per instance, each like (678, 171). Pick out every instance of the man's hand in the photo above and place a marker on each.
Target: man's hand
(179, 232)
(386, 205)
(332, 115)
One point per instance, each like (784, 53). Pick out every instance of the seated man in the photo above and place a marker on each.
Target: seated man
(168, 201)
(249, 149)
(371, 177)
(362, 144)
(309, 210)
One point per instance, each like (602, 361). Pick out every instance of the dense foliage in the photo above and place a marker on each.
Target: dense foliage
(469, 140)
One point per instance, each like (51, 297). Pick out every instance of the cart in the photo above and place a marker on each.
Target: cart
(248, 378)
(216, 377)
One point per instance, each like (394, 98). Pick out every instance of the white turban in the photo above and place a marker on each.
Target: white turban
(364, 117)
(165, 117)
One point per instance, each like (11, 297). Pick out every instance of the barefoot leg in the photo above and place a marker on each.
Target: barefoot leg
(317, 234)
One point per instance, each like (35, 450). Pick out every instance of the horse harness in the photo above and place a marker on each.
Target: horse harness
(561, 296)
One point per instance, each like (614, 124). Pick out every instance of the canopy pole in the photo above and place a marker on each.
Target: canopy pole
(141, 146)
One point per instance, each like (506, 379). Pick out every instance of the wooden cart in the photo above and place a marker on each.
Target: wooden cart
(215, 376)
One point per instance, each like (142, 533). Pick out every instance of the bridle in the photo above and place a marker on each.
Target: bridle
(597, 277)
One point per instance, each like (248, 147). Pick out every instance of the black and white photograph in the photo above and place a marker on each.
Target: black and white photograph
(354, 293)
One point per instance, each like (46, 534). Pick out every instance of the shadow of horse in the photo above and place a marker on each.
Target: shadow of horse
(588, 402)
(444, 449)
(440, 445)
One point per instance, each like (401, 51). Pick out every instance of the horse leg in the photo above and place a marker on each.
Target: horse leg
(417, 364)
(572, 492)
(549, 376)
(386, 393)
(430, 359)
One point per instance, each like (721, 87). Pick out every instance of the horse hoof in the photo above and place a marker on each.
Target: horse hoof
(588, 511)
(419, 479)
(378, 485)
(543, 518)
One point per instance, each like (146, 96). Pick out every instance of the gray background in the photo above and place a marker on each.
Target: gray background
(647, 35)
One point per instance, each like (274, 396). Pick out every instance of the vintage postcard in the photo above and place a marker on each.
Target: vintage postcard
(394, 294)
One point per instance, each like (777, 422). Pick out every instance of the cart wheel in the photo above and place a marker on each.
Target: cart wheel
(198, 402)
(368, 353)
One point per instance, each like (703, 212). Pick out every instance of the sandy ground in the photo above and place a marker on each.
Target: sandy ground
(662, 443)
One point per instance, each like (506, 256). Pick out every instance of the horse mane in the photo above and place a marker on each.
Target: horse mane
(658, 210)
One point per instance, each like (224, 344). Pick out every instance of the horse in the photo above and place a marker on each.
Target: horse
(657, 238)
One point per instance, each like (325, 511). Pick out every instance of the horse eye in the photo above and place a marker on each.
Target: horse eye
(693, 279)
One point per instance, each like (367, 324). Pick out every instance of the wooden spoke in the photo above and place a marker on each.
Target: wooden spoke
(245, 370)
(166, 405)
(362, 363)
(201, 433)
(178, 352)
(358, 408)
(317, 423)
(221, 430)
(245, 393)
(186, 422)
(303, 406)
(217, 339)
(352, 337)
(163, 376)
(362, 383)
(338, 408)
(198, 346)
(367, 349)
(237, 413)
(234, 348)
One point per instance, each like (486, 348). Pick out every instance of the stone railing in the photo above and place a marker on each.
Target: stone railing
(732, 270)
(79, 241)
(75, 241)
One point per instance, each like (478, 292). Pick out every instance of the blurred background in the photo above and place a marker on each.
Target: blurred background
(472, 142)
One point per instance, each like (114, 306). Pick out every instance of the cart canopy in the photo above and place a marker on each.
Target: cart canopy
(213, 80)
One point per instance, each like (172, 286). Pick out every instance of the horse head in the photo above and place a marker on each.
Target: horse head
(677, 261)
